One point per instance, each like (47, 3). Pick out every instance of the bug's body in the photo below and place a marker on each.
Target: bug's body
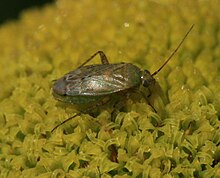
(92, 83)
(89, 84)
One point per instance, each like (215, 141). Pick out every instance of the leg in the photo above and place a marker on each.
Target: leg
(102, 55)
(146, 97)
(103, 102)
(70, 118)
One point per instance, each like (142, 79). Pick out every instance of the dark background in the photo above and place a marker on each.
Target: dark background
(10, 9)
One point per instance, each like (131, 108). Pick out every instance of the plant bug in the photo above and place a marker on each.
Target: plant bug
(94, 83)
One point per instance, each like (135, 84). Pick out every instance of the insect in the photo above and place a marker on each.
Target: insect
(89, 84)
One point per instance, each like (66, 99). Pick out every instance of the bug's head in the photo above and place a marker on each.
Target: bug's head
(147, 79)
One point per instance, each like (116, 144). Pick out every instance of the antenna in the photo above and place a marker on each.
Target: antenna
(174, 52)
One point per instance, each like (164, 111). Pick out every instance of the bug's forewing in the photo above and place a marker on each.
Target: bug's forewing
(102, 79)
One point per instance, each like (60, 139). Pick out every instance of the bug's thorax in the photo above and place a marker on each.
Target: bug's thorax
(147, 78)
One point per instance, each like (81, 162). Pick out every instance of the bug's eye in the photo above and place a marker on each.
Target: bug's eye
(147, 79)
